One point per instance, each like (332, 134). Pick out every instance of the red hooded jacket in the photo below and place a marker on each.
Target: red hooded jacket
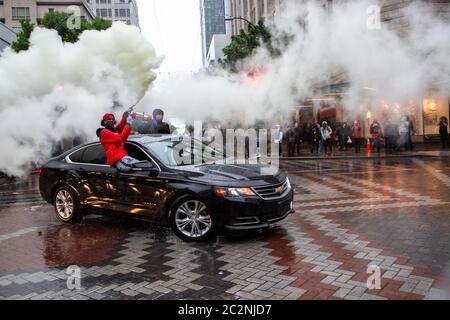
(114, 142)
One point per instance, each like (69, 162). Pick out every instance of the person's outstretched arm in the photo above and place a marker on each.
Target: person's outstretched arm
(122, 122)
(108, 136)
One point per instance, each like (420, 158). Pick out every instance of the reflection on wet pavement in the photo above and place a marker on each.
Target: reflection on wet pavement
(350, 214)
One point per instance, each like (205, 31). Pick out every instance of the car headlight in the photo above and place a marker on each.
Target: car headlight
(288, 183)
(233, 192)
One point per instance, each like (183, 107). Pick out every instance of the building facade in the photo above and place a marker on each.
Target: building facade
(7, 36)
(12, 11)
(116, 10)
(424, 111)
(212, 15)
(253, 11)
(327, 102)
(215, 52)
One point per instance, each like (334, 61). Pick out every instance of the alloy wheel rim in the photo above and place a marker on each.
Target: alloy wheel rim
(64, 204)
(193, 219)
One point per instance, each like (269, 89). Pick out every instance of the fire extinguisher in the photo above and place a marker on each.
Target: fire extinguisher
(141, 116)
(369, 146)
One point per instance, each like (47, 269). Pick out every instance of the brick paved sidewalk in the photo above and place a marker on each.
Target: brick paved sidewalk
(350, 215)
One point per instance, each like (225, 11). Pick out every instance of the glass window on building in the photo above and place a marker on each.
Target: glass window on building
(105, 13)
(20, 13)
(433, 109)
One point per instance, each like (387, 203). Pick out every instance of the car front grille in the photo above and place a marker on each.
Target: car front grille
(271, 192)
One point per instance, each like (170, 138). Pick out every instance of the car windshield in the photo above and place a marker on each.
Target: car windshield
(183, 152)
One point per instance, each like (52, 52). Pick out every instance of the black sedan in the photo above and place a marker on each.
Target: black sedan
(196, 200)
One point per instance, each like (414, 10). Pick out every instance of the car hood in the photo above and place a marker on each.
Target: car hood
(234, 174)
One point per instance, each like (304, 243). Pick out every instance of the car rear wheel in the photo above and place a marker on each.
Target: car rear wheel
(66, 205)
(191, 220)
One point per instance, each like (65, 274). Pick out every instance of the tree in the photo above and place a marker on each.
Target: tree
(98, 24)
(63, 24)
(60, 21)
(245, 44)
(23, 36)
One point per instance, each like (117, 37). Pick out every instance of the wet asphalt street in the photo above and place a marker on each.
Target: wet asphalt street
(350, 214)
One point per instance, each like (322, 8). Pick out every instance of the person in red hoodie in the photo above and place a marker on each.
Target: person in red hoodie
(113, 139)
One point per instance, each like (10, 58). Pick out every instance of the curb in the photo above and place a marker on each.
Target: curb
(363, 157)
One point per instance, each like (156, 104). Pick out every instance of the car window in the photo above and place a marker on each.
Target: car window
(135, 152)
(180, 152)
(94, 155)
(77, 156)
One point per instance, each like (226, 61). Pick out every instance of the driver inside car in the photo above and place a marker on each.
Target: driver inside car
(113, 139)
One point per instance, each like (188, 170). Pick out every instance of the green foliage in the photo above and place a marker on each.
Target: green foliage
(23, 36)
(65, 28)
(245, 44)
(64, 23)
(98, 24)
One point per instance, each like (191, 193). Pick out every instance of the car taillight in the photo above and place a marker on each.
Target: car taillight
(39, 170)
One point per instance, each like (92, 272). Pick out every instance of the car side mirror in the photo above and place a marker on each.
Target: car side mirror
(146, 167)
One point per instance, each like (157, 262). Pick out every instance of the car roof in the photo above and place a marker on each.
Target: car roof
(138, 138)
(148, 138)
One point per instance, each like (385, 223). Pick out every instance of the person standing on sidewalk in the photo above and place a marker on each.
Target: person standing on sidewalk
(341, 136)
(348, 135)
(377, 136)
(298, 137)
(443, 132)
(290, 139)
(411, 132)
(356, 135)
(325, 132)
(315, 138)
(389, 136)
(403, 130)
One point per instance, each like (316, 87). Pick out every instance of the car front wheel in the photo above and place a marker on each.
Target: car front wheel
(191, 220)
(66, 205)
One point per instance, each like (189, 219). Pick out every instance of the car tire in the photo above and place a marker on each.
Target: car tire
(191, 220)
(67, 207)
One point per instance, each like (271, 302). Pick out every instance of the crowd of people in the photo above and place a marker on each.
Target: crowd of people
(321, 138)
(324, 137)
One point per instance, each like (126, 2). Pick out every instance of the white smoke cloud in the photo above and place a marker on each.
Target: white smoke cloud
(56, 90)
(399, 68)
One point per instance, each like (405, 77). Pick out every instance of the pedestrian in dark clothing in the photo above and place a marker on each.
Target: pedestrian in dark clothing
(156, 125)
(298, 137)
(443, 132)
(307, 134)
(403, 130)
(343, 132)
(411, 132)
(348, 135)
(390, 136)
(291, 139)
(340, 135)
(356, 135)
(315, 138)
(377, 136)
